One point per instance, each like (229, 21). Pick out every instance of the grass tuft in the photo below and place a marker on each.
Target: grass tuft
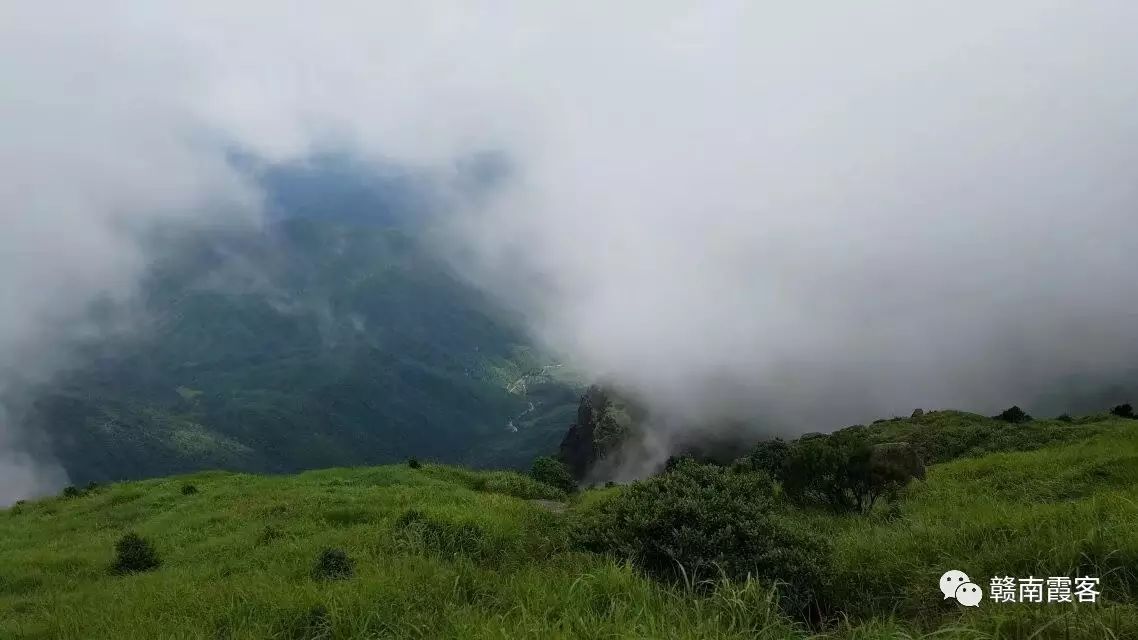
(333, 564)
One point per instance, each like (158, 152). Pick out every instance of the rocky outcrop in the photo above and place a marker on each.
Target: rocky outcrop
(600, 429)
(577, 451)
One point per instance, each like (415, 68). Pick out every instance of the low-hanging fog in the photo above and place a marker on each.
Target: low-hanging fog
(812, 213)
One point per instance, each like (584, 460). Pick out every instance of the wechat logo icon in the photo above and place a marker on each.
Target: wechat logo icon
(956, 584)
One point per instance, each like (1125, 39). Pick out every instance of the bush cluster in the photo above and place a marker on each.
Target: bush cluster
(189, 489)
(134, 554)
(553, 472)
(1123, 411)
(842, 471)
(769, 456)
(413, 462)
(1014, 415)
(703, 522)
(845, 473)
(946, 436)
(75, 492)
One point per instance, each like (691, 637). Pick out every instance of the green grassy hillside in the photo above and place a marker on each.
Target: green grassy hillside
(443, 552)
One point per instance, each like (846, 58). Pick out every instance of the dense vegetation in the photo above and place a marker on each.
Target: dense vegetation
(700, 521)
(309, 345)
(553, 472)
(702, 551)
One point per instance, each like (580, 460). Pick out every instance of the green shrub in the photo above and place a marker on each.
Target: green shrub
(189, 489)
(413, 462)
(91, 487)
(134, 554)
(333, 564)
(819, 471)
(769, 456)
(1014, 415)
(703, 522)
(72, 491)
(714, 453)
(1066, 417)
(674, 461)
(553, 472)
(845, 473)
(1123, 411)
(943, 436)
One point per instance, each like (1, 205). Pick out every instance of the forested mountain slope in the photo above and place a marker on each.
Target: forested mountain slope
(308, 344)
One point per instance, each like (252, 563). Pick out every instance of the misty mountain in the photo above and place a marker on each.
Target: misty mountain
(331, 336)
(338, 187)
(320, 340)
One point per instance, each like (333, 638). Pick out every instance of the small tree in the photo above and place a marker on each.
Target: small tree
(1014, 415)
(1123, 411)
(133, 554)
(413, 462)
(553, 472)
(891, 466)
(189, 489)
(846, 473)
(1066, 417)
(817, 470)
(71, 491)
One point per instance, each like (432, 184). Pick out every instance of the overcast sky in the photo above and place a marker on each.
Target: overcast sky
(739, 207)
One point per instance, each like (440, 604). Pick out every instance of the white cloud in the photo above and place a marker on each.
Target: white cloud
(739, 205)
